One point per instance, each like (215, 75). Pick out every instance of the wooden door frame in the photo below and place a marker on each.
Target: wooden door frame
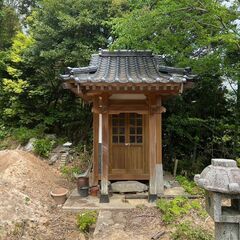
(127, 176)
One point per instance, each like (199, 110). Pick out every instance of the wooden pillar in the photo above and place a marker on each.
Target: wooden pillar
(152, 149)
(104, 198)
(95, 149)
(159, 166)
(95, 171)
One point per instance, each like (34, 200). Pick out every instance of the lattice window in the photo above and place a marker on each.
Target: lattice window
(118, 128)
(135, 128)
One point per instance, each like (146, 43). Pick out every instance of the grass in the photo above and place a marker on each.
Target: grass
(186, 231)
(176, 208)
(175, 211)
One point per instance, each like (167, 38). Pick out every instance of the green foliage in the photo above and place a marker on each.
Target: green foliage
(238, 162)
(3, 132)
(14, 87)
(189, 186)
(43, 147)
(186, 231)
(203, 122)
(61, 34)
(79, 164)
(69, 171)
(174, 209)
(86, 219)
(9, 23)
(23, 134)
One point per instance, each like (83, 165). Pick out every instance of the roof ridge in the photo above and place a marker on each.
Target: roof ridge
(125, 53)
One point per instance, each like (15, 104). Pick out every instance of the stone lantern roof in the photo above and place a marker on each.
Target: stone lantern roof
(221, 176)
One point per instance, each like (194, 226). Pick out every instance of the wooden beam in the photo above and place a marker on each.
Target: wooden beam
(144, 112)
(129, 177)
(128, 108)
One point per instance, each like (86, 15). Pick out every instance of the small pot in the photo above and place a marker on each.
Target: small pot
(94, 191)
(82, 182)
(59, 195)
(83, 191)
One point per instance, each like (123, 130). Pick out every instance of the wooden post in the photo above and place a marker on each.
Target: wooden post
(104, 198)
(95, 148)
(159, 165)
(152, 149)
(94, 180)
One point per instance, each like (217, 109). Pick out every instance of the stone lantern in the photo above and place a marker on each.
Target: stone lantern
(221, 181)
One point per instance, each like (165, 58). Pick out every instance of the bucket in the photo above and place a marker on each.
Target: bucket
(82, 182)
(59, 195)
(83, 191)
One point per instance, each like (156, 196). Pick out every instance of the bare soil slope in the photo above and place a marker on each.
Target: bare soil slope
(27, 211)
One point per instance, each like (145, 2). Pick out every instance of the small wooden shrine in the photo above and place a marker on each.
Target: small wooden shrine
(127, 89)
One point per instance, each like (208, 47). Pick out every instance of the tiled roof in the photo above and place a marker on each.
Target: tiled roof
(126, 66)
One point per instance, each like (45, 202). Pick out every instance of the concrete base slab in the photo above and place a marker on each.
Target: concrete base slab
(117, 201)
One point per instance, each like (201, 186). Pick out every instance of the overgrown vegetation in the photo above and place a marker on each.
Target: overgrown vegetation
(186, 231)
(85, 220)
(174, 213)
(23, 134)
(80, 163)
(174, 209)
(189, 186)
(43, 146)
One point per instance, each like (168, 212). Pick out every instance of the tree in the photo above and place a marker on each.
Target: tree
(63, 33)
(204, 35)
(9, 25)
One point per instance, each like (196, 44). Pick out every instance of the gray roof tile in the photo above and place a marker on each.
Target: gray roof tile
(125, 66)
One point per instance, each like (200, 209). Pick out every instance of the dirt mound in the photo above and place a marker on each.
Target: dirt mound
(25, 184)
(25, 172)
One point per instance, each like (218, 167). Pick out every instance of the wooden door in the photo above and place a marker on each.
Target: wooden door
(127, 146)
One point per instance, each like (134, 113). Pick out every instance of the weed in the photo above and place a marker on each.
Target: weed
(196, 205)
(86, 220)
(186, 231)
(189, 186)
(178, 207)
(79, 164)
(68, 171)
(18, 229)
(43, 147)
(27, 200)
(173, 208)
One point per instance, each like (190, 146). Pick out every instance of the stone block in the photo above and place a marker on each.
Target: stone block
(128, 186)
